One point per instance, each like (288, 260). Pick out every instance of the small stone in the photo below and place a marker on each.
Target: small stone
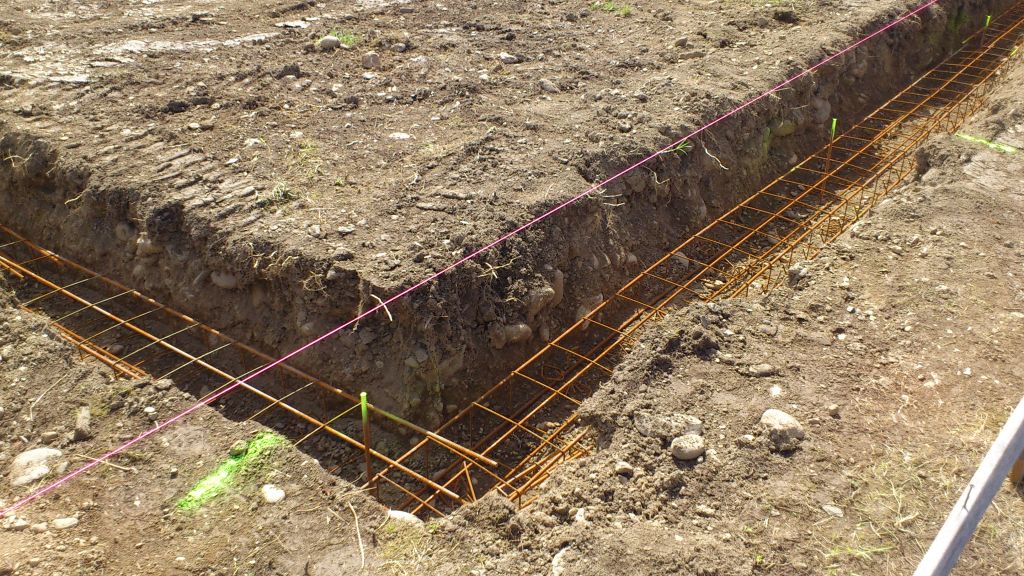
(833, 410)
(32, 465)
(163, 384)
(292, 24)
(224, 280)
(833, 510)
(48, 437)
(194, 126)
(623, 468)
(238, 448)
(796, 274)
(687, 447)
(346, 230)
(83, 422)
(548, 86)
(665, 427)
(341, 253)
(330, 43)
(507, 58)
(272, 494)
(38, 528)
(704, 510)
(402, 516)
(16, 524)
(399, 136)
(762, 370)
(746, 441)
(682, 42)
(64, 523)
(150, 413)
(371, 60)
(784, 431)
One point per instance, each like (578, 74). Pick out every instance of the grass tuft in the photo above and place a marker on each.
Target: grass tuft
(616, 8)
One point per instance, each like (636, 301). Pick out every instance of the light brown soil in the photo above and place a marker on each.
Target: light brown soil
(928, 286)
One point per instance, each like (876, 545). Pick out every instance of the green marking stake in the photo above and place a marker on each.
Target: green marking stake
(833, 131)
(1004, 148)
(364, 408)
(988, 20)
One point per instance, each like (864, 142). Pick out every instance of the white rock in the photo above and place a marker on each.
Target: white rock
(330, 43)
(557, 567)
(516, 333)
(402, 516)
(399, 136)
(659, 426)
(688, 447)
(507, 58)
(224, 280)
(833, 510)
(623, 468)
(15, 524)
(783, 430)
(548, 86)
(63, 523)
(272, 494)
(32, 465)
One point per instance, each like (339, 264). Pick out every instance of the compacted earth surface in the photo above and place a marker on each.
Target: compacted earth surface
(273, 167)
(888, 365)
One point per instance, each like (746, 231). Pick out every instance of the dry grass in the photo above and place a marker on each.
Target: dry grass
(903, 496)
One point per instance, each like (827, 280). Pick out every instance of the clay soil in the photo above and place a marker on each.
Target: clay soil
(910, 325)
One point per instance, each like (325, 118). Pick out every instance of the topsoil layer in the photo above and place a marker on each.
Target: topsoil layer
(224, 159)
(898, 352)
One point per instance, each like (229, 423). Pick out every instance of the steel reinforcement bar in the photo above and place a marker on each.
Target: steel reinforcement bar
(140, 338)
(527, 421)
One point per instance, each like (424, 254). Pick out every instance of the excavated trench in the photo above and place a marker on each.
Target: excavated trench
(441, 347)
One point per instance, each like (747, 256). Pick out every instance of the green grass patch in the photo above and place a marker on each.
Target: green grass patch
(614, 8)
(347, 39)
(224, 475)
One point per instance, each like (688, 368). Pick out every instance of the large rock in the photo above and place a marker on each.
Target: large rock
(784, 431)
(32, 465)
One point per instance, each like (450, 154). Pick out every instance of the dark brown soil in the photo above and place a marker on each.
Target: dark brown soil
(884, 326)
(211, 156)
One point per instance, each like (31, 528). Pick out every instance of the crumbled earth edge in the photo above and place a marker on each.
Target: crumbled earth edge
(927, 299)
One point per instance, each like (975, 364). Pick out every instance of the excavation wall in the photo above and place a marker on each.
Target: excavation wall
(468, 328)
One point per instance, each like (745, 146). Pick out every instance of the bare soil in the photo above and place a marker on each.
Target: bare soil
(910, 325)
(218, 158)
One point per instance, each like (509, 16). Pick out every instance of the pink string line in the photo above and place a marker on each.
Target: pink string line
(160, 426)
